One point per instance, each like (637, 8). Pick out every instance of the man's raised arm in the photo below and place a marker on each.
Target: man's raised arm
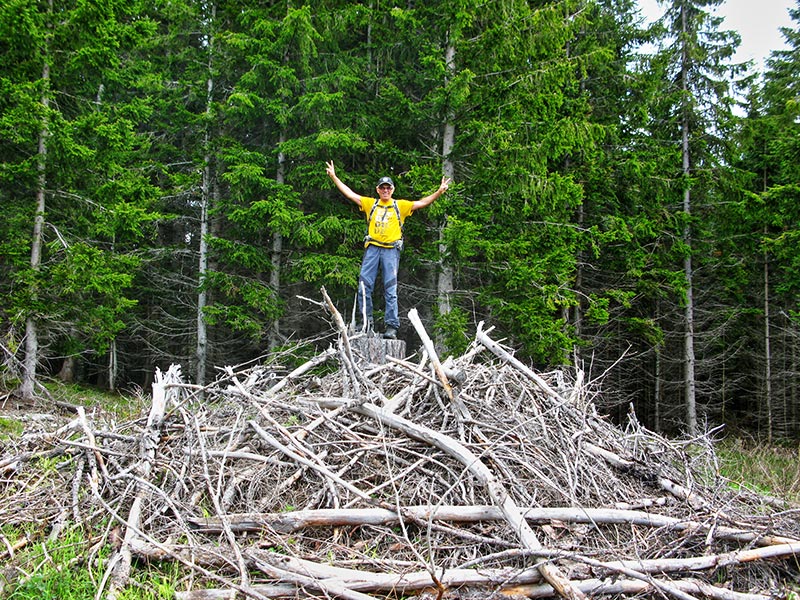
(346, 191)
(422, 203)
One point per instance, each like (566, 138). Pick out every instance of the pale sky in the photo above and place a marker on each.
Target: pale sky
(757, 21)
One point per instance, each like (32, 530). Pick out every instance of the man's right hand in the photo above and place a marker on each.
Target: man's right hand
(346, 191)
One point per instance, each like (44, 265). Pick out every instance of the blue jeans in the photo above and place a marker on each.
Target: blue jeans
(388, 261)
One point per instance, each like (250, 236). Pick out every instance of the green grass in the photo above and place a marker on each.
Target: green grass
(770, 470)
(153, 582)
(64, 570)
(50, 570)
(121, 405)
(10, 428)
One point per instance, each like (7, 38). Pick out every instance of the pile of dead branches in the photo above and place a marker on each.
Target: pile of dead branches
(470, 477)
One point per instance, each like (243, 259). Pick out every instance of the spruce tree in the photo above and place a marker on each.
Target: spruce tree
(694, 115)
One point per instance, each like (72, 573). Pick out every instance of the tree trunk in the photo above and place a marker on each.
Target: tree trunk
(374, 350)
(113, 366)
(789, 381)
(577, 312)
(274, 339)
(688, 348)
(67, 371)
(444, 288)
(202, 297)
(31, 329)
(767, 345)
(657, 392)
(298, 520)
(767, 353)
(205, 200)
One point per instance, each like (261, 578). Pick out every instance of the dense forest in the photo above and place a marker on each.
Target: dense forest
(625, 196)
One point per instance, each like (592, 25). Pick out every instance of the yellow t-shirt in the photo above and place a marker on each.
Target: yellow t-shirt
(384, 229)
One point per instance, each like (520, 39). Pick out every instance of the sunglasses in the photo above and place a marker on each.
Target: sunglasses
(385, 186)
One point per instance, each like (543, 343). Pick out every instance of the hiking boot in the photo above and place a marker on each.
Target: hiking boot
(391, 333)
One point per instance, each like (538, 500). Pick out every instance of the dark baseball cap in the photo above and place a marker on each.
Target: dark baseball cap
(383, 180)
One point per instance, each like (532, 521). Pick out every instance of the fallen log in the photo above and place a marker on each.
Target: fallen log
(280, 590)
(614, 586)
(593, 587)
(288, 522)
(710, 561)
(399, 583)
(270, 564)
(361, 580)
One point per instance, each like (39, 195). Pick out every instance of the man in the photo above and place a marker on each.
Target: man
(383, 243)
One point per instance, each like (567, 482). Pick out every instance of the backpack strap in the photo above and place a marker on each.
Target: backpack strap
(371, 212)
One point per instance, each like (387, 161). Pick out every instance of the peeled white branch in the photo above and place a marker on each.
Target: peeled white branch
(288, 522)
(120, 568)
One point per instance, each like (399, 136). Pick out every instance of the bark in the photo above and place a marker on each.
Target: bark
(375, 350)
(205, 205)
(26, 389)
(274, 335)
(445, 285)
(689, 381)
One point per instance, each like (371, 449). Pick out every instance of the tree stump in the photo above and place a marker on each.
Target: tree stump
(373, 349)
